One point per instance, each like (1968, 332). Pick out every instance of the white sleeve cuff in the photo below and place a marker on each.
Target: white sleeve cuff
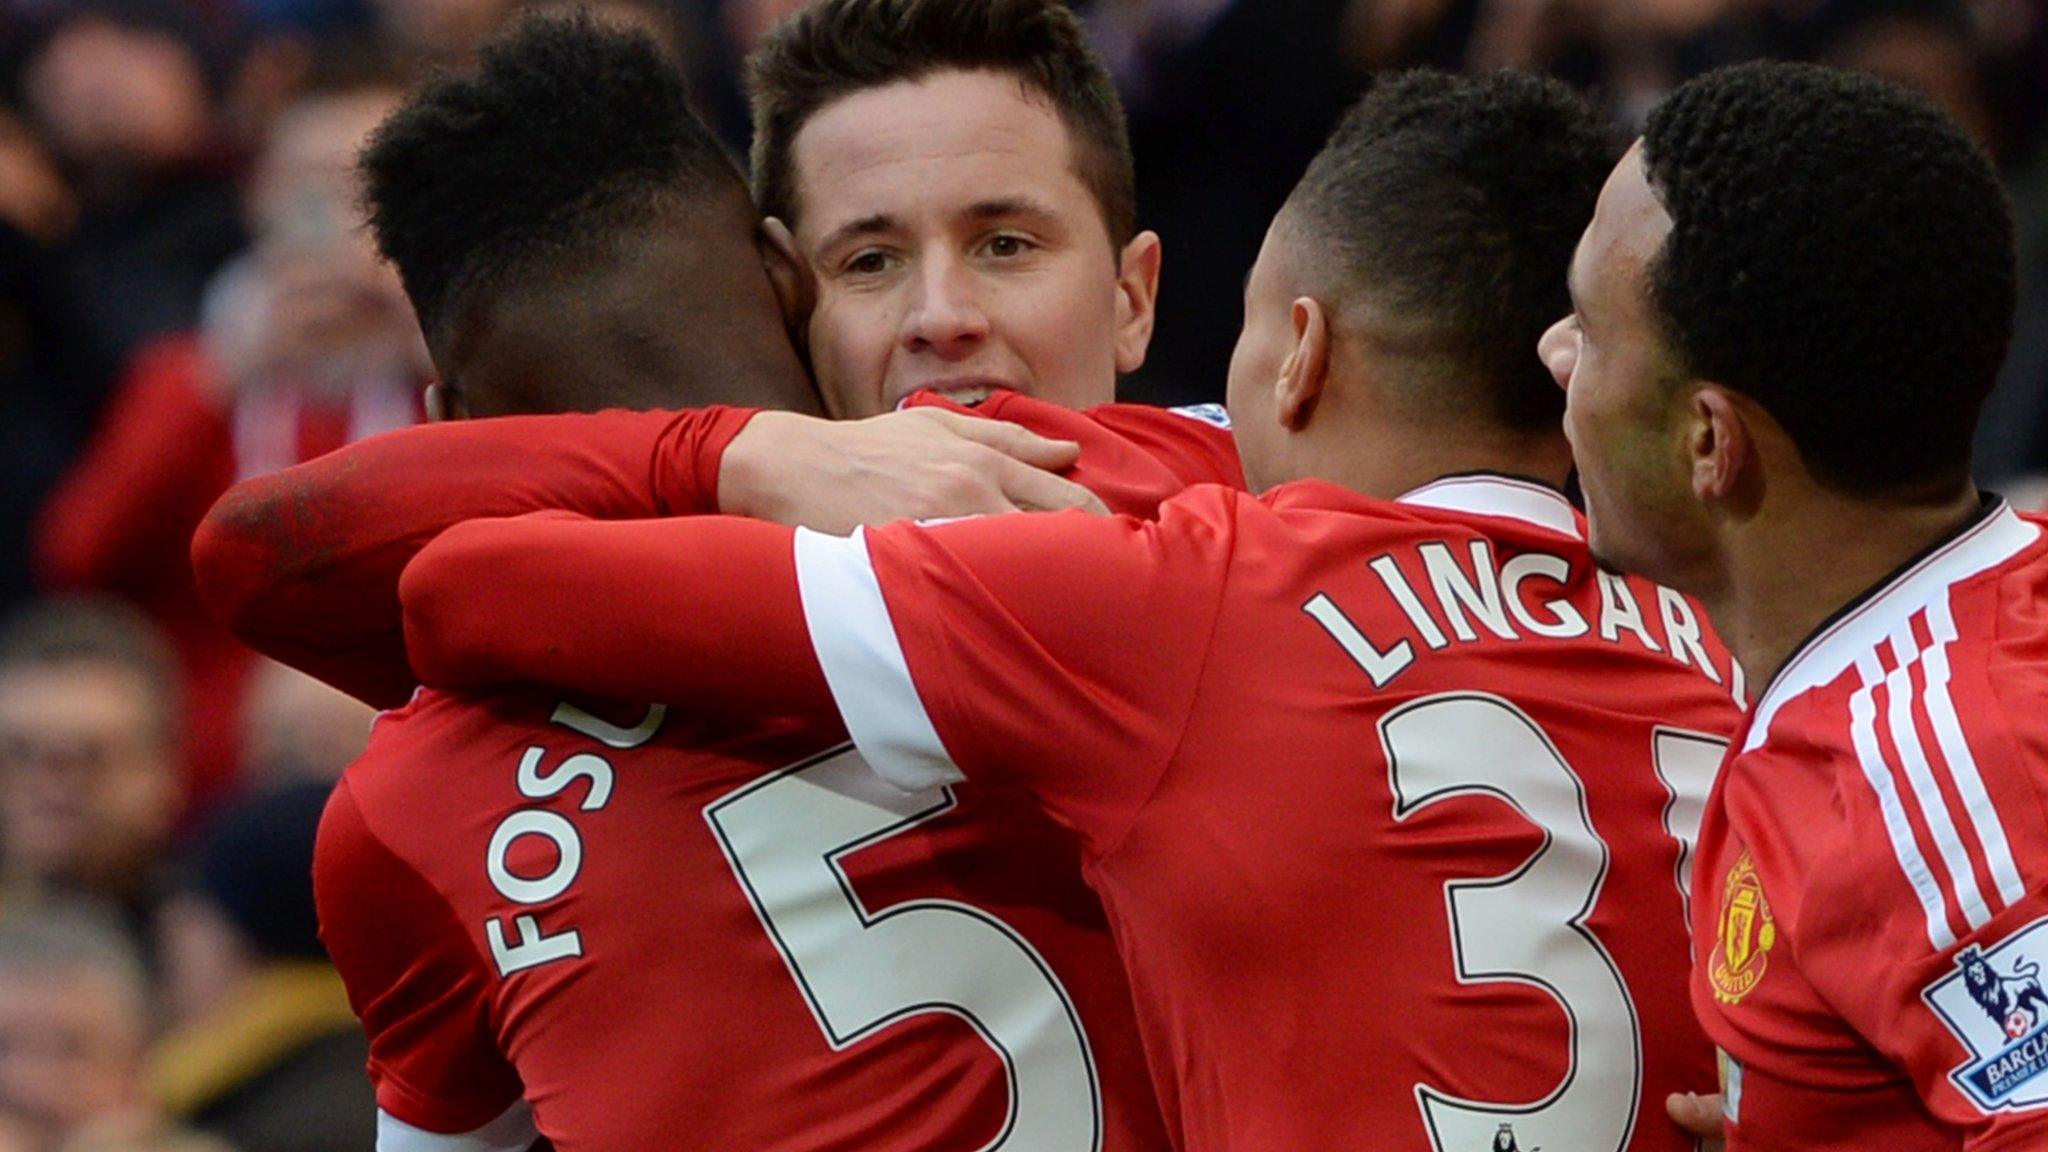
(512, 1131)
(863, 662)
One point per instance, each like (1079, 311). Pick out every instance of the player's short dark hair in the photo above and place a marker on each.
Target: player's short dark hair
(1841, 253)
(835, 48)
(1450, 206)
(569, 133)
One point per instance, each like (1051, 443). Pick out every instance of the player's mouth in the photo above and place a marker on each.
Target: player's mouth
(964, 392)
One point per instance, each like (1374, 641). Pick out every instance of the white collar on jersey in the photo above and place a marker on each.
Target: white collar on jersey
(1991, 541)
(1486, 495)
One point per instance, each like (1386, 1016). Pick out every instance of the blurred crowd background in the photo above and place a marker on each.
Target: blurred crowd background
(187, 297)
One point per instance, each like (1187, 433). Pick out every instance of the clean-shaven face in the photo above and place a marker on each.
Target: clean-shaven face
(1620, 388)
(956, 249)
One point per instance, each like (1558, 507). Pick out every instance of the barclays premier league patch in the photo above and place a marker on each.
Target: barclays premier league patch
(1997, 1005)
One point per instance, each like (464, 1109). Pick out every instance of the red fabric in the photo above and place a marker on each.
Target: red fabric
(1283, 904)
(303, 565)
(1847, 873)
(726, 981)
(122, 522)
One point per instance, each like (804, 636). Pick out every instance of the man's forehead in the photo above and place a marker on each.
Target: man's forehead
(1628, 229)
(948, 141)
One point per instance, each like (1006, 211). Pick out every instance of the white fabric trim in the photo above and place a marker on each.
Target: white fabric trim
(1499, 496)
(1920, 774)
(864, 664)
(1962, 763)
(1996, 539)
(512, 1131)
(1863, 733)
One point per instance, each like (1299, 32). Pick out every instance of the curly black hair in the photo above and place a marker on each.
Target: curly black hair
(568, 133)
(1841, 253)
(1451, 205)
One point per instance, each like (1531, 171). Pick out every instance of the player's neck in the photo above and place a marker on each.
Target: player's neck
(1785, 572)
(1386, 461)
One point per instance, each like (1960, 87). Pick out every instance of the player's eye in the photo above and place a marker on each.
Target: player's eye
(870, 262)
(1007, 246)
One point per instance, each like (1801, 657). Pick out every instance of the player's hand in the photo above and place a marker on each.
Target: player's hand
(918, 464)
(1698, 1115)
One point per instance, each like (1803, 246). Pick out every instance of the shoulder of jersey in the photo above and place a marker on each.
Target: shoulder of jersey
(1897, 700)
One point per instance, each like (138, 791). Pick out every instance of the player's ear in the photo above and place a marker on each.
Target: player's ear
(1307, 368)
(1720, 445)
(1137, 299)
(796, 289)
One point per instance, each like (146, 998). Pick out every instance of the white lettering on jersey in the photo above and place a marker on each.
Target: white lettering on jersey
(528, 945)
(1505, 602)
(1381, 666)
(1565, 623)
(1457, 593)
(1618, 610)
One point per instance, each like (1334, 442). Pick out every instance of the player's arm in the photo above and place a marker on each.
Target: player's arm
(421, 992)
(304, 565)
(1060, 651)
(1944, 976)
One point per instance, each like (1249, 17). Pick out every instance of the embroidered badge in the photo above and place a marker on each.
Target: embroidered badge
(1746, 936)
(1995, 1004)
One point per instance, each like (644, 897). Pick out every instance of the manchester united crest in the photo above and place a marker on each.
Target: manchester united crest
(1746, 936)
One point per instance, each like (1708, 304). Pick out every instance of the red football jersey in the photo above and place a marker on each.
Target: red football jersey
(1870, 905)
(659, 930)
(1390, 803)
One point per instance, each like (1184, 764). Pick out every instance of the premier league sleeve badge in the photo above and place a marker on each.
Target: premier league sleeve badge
(1995, 1003)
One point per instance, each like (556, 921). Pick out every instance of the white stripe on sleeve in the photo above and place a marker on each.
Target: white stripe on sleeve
(1962, 763)
(863, 661)
(1863, 732)
(512, 1131)
(1899, 696)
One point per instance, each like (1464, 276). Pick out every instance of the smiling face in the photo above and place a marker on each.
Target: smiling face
(957, 249)
(1624, 390)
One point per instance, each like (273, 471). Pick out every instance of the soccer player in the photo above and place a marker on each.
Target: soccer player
(958, 178)
(1788, 309)
(1387, 791)
(537, 902)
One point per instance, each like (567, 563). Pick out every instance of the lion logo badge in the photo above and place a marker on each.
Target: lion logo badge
(1996, 1005)
(1747, 934)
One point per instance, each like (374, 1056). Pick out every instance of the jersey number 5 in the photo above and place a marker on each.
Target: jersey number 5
(1529, 926)
(861, 971)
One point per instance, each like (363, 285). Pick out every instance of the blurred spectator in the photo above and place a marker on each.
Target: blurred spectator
(74, 1026)
(440, 33)
(300, 729)
(89, 788)
(124, 94)
(16, 1135)
(1228, 100)
(266, 1052)
(306, 344)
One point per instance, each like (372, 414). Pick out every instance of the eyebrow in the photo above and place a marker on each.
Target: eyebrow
(1009, 206)
(874, 225)
(981, 211)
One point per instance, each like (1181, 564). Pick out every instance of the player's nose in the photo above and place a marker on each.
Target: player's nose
(1558, 348)
(945, 313)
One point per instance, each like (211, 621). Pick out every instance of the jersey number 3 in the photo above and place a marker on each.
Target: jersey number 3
(1529, 926)
(861, 971)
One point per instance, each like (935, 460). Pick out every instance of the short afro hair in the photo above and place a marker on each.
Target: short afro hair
(834, 48)
(1841, 253)
(568, 134)
(1450, 206)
